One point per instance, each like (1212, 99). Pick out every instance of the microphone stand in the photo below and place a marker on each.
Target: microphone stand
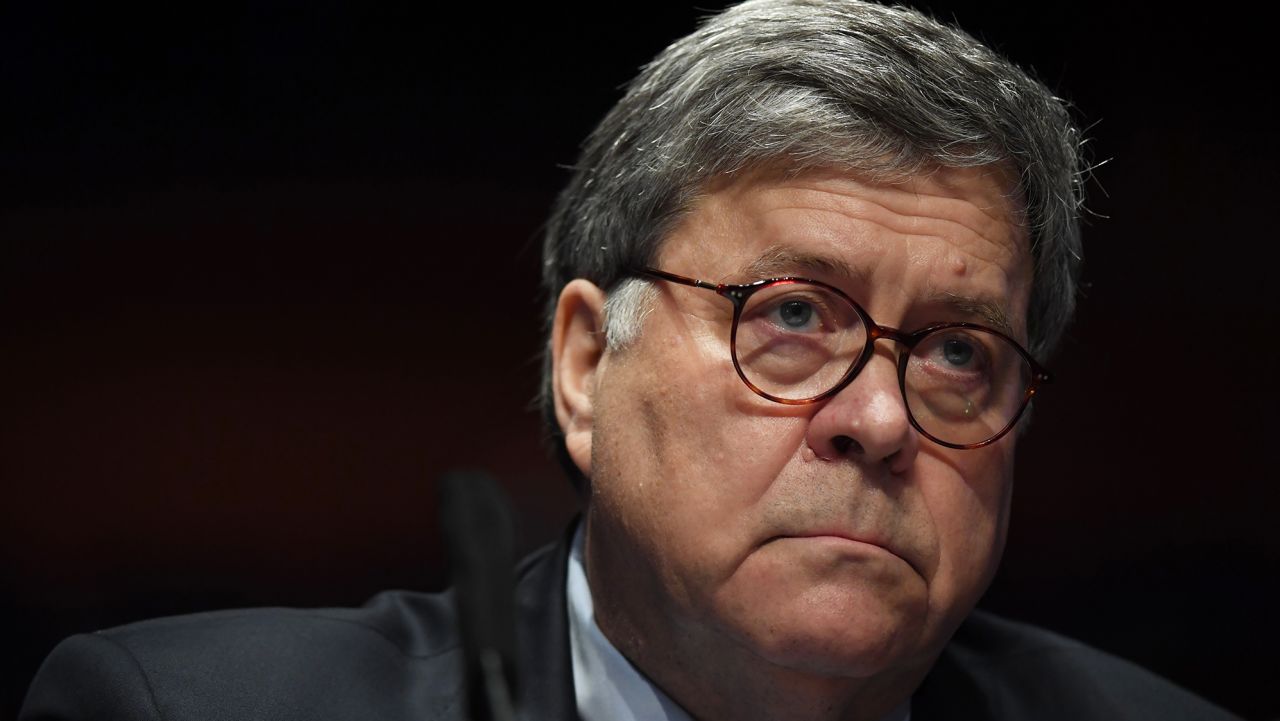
(477, 526)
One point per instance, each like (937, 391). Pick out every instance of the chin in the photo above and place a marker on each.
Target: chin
(842, 632)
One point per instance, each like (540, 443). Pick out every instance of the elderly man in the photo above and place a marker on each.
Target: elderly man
(799, 285)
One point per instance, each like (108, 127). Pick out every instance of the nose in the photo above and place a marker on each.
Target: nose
(867, 421)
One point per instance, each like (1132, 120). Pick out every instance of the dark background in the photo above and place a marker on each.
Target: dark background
(267, 269)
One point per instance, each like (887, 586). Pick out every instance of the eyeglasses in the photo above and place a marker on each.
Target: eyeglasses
(798, 341)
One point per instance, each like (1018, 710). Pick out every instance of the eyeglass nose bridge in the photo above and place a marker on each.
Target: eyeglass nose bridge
(877, 332)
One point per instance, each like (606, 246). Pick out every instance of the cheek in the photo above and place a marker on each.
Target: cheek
(728, 454)
(681, 456)
(968, 506)
(699, 423)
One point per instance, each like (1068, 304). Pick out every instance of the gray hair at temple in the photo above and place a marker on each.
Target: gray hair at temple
(800, 84)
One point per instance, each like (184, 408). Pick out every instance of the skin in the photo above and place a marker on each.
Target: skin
(746, 555)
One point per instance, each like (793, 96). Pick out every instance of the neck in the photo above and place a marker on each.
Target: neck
(714, 677)
(734, 684)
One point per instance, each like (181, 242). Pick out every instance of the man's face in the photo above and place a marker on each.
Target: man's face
(723, 524)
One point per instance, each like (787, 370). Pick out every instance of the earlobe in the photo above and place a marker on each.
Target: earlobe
(577, 347)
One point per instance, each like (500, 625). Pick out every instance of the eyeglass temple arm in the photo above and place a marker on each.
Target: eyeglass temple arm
(664, 275)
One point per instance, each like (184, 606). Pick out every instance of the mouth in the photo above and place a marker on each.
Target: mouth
(836, 536)
(835, 533)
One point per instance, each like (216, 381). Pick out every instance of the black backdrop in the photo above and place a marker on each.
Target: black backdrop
(267, 269)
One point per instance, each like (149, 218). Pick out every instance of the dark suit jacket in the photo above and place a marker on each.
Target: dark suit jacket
(399, 658)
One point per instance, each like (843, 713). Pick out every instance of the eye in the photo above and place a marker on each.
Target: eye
(957, 352)
(795, 314)
(960, 355)
(797, 310)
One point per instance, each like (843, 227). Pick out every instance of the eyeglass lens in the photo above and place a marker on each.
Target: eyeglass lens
(795, 341)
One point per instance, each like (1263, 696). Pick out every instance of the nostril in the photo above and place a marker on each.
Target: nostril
(845, 444)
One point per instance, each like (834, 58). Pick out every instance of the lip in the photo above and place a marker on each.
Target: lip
(845, 536)
(841, 535)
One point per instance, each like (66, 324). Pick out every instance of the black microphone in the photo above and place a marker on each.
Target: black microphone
(477, 525)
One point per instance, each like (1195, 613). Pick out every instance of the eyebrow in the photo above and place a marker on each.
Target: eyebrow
(991, 314)
(779, 260)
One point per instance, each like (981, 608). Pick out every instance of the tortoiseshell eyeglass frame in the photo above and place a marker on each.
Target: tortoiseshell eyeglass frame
(740, 293)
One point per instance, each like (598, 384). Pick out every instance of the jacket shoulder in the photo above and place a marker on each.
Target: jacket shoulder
(1009, 670)
(281, 663)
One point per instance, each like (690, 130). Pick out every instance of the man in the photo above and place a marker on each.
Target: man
(799, 283)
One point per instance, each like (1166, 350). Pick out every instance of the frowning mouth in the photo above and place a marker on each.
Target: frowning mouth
(837, 537)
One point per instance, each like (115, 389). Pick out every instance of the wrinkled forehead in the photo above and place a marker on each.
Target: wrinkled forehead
(985, 201)
(951, 237)
(993, 189)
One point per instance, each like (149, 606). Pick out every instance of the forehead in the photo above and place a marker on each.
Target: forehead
(949, 231)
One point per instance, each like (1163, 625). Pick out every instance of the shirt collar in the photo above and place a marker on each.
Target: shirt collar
(608, 687)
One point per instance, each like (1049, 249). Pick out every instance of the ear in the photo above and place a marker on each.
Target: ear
(577, 347)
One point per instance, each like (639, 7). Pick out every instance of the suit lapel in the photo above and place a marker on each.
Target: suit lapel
(546, 683)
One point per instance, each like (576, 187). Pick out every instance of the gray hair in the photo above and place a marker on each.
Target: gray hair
(802, 84)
